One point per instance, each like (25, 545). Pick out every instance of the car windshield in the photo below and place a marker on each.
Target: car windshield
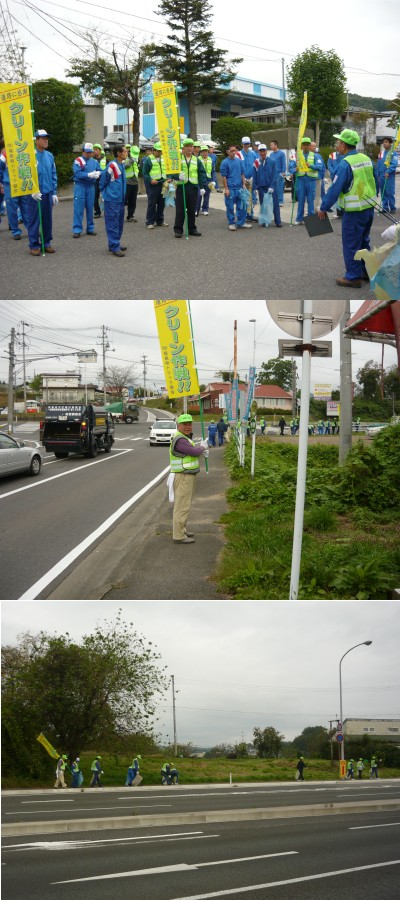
(166, 425)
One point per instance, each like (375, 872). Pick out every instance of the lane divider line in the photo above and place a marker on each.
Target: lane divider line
(96, 462)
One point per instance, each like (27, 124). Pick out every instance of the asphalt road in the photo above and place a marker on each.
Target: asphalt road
(354, 855)
(46, 518)
(97, 803)
(256, 264)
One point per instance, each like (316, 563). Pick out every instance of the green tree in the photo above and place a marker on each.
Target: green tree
(313, 741)
(369, 377)
(59, 109)
(189, 56)
(267, 742)
(322, 75)
(391, 380)
(241, 750)
(122, 80)
(78, 694)
(118, 379)
(276, 371)
(36, 384)
(229, 130)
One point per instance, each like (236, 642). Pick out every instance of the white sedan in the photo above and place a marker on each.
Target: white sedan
(15, 457)
(372, 430)
(161, 431)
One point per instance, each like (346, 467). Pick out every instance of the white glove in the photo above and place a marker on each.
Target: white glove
(95, 174)
(204, 443)
(390, 233)
(55, 199)
(206, 453)
(37, 196)
(182, 176)
(202, 192)
(270, 190)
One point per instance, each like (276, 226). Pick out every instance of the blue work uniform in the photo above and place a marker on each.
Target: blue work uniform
(233, 170)
(279, 158)
(84, 193)
(47, 176)
(112, 187)
(212, 433)
(321, 172)
(305, 184)
(386, 179)
(356, 225)
(265, 177)
(248, 158)
(17, 207)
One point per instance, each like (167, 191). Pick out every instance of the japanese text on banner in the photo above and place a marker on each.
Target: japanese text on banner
(15, 112)
(174, 333)
(301, 162)
(168, 125)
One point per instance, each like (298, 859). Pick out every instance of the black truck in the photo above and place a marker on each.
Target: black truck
(76, 428)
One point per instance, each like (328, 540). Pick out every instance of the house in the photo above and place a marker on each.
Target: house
(268, 396)
(66, 388)
(384, 729)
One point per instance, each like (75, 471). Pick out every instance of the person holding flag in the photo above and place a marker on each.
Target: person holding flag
(46, 196)
(60, 769)
(184, 459)
(191, 178)
(388, 161)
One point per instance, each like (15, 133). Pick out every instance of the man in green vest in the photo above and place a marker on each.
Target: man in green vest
(203, 200)
(306, 182)
(154, 176)
(262, 424)
(354, 189)
(374, 767)
(191, 178)
(60, 770)
(98, 153)
(96, 771)
(184, 459)
(131, 166)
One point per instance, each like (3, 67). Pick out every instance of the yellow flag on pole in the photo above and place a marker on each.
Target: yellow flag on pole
(394, 147)
(16, 118)
(166, 111)
(47, 746)
(301, 163)
(177, 351)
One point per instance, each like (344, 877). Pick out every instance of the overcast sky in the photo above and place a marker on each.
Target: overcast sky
(239, 665)
(64, 327)
(365, 37)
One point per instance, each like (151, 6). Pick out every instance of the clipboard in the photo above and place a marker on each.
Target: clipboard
(316, 226)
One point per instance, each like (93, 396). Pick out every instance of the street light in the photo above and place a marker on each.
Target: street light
(363, 643)
(254, 341)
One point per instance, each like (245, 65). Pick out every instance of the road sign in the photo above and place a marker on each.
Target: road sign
(287, 314)
(342, 768)
(339, 736)
(338, 726)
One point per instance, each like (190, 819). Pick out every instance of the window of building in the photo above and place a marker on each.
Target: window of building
(148, 107)
(372, 729)
(393, 730)
(257, 88)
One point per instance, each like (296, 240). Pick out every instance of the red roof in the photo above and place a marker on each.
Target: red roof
(271, 392)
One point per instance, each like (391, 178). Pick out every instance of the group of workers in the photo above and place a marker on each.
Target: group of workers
(76, 772)
(248, 176)
(360, 766)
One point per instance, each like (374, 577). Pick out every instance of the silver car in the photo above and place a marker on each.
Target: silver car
(15, 457)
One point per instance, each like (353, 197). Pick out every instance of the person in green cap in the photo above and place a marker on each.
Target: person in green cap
(100, 156)
(96, 771)
(191, 179)
(60, 770)
(354, 189)
(131, 165)
(154, 176)
(184, 459)
(306, 182)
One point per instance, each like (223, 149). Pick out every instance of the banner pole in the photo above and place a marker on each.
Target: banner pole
(195, 362)
(294, 198)
(39, 201)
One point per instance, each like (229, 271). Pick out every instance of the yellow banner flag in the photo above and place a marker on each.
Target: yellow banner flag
(395, 146)
(166, 110)
(177, 350)
(47, 746)
(301, 163)
(16, 118)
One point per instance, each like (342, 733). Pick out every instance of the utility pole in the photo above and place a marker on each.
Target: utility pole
(283, 91)
(174, 714)
(294, 389)
(346, 390)
(22, 49)
(144, 358)
(11, 367)
(105, 346)
(23, 356)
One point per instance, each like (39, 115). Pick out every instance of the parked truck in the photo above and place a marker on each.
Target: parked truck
(127, 411)
(76, 428)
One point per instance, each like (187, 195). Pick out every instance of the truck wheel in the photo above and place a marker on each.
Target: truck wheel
(60, 454)
(36, 465)
(128, 420)
(107, 445)
(93, 449)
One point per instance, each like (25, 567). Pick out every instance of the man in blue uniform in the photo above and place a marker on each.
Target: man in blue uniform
(233, 179)
(17, 207)
(386, 167)
(46, 196)
(86, 171)
(248, 156)
(265, 180)
(306, 183)
(279, 158)
(112, 187)
(355, 190)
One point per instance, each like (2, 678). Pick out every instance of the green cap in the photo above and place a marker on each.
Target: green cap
(157, 146)
(99, 147)
(306, 140)
(204, 147)
(138, 756)
(184, 418)
(135, 150)
(197, 143)
(348, 137)
(98, 757)
(187, 142)
(128, 146)
(64, 756)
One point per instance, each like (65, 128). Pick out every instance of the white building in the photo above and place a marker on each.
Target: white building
(387, 729)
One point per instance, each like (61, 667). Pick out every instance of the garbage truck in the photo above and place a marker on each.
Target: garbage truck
(76, 428)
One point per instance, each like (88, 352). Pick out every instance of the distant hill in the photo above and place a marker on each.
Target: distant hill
(378, 103)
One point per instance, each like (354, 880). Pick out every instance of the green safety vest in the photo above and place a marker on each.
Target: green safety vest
(132, 170)
(63, 765)
(75, 767)
(310, 162)
(207, 163)
(102, 161)
(190, 170)
(362, 186)
(182, 463)
(93, 767)
(157, 171)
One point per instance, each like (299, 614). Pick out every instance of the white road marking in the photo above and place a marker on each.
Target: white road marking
(273, 884)
(63, 564)
(32, 812)
(96, 462)
(179, 867)
(46, 801)
(383, 825)
(82, 844)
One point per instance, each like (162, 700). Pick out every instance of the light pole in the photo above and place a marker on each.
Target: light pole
(363, 643)
(253, 440)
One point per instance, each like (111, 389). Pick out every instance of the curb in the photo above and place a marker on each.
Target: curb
(196, 818)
